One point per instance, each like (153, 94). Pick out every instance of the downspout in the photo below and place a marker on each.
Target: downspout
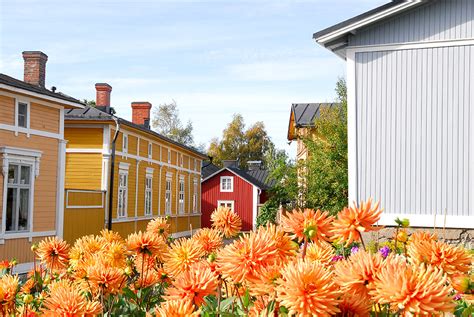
(136, 193)
(112, 170)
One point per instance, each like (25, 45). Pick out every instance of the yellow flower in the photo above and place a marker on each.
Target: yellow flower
(307, 289)
(226, 221)
(323, 253)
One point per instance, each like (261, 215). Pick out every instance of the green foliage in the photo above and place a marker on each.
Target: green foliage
(267, 214)
(167, 122)
(239, 143)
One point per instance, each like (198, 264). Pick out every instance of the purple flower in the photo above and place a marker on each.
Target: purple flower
(384, 251)
(337, 258)
(355, 249)
(457, 297)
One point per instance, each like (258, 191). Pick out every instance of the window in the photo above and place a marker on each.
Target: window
(22, 115)
(148, 194)
(150, 150)
(169, 156)
(226, 203)
(195, 195)
(168, 196)
(18, 197)
(122, 193)
(227, 184)
(195, 164)
(181, 195)
(181, 160)
(125, 143)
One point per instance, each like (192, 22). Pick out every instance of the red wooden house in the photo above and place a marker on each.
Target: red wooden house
(244, 191)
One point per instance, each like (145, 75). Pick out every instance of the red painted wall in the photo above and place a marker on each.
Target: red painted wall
(242, 197)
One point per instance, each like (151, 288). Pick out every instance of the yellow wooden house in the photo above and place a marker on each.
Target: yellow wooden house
(153, 175)
(32, 155)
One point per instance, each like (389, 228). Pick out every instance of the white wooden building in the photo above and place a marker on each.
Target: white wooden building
(410, 68)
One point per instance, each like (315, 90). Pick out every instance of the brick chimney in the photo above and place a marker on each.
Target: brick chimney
(35, 67)
(102, 99)
(141, 113)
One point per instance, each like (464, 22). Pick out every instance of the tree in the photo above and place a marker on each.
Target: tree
(167, 122)
(90, 103)
(241, 144)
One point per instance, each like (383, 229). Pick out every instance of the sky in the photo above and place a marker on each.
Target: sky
(214, 58)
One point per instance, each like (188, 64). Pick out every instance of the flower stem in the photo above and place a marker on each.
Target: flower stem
(305, 246)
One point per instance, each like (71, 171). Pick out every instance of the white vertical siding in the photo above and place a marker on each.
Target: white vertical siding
(438, 20)
(413, 131)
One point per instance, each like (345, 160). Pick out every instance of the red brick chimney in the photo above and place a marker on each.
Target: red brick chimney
(141, 113)
(35, 67)
(102, 99)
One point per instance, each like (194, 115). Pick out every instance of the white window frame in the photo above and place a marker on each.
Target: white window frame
(150, 150)
(223, 180)
(20, 156)
(148, 195)
(122, 191)
(168, 194)
(195, 164)
(28, 116)
(195, 196)
(169, 156)
(181, 195)
(226, 203)
(181, 159)
(125, 143)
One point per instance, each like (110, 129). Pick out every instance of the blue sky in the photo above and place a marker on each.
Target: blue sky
(214, 58)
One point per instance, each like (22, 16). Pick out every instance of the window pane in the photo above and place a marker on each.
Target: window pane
(11, 209)
(22, 114)
(23, 212)
(25, 175)
(13, 174)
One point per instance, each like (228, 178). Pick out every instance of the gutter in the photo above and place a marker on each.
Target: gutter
(112, 170)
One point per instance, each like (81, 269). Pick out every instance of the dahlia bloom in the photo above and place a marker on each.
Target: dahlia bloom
(259, 307)
(306, 289)
(355, 306)
(176, 308)
(103, 278)
(356, 275)
(422, 236)
(181, 255)
(8, 290)
(265, 282)
(193, 285)
(54, 253)
(322, 253)
(159, 226)
(146, 243)
(227, 221)
(315, 225)
(209, 239)
(352, 221)
(412, 289)
(110, 236)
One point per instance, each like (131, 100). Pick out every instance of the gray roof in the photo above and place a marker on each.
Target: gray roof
(258, 177)
(306, 113)
(208, 169)
(91, 113)
(13, 82)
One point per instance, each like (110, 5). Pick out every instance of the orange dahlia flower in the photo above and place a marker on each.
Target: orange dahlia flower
(194, 284)
(8, 290)
(146, 243)
(181, 255)
(315, 225)
(355, 306)
(356, 275)
(352, 221)
(412, 289)
(259, 307)
(284, 246)
(450, 259)
(66, 299)
(159, 226)
(265, 282)
(176, 308)
(105, 279)
(306, 289)
(227, 221)
(422, 236)
(209, 239)
(54, 253)
(110, 236)
(116, 254)
(322, 253)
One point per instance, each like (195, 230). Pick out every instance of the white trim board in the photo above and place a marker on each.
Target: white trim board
(409, 46)
(17, 130)
(428, 221)
(38, 95)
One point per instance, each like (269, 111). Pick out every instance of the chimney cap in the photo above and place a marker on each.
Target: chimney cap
(141, 104)
(103, 86)
(35, 54)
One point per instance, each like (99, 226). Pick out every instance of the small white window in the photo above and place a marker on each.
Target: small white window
(181, 195)
(18, 197)
(181, 160)
(168, 196)
(169, 156)
(227, 184)
(195, 196)
(122, 194)
(195, 164)
(125, 143)
(226, 203)
(150, 150)
(148, 194)
(22, 115)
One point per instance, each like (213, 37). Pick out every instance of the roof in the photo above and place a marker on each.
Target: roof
(304, 115)
(335, 37)
(94, 114)
(208, 169)
(16, 83)
(258, 177)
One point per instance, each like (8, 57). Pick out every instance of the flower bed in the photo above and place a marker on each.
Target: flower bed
(312, 264)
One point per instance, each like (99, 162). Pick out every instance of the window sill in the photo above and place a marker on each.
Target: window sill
(25, 234)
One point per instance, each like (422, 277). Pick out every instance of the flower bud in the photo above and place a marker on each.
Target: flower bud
(128, 271)
(28, 298)
(402, 236)
(460, 283)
